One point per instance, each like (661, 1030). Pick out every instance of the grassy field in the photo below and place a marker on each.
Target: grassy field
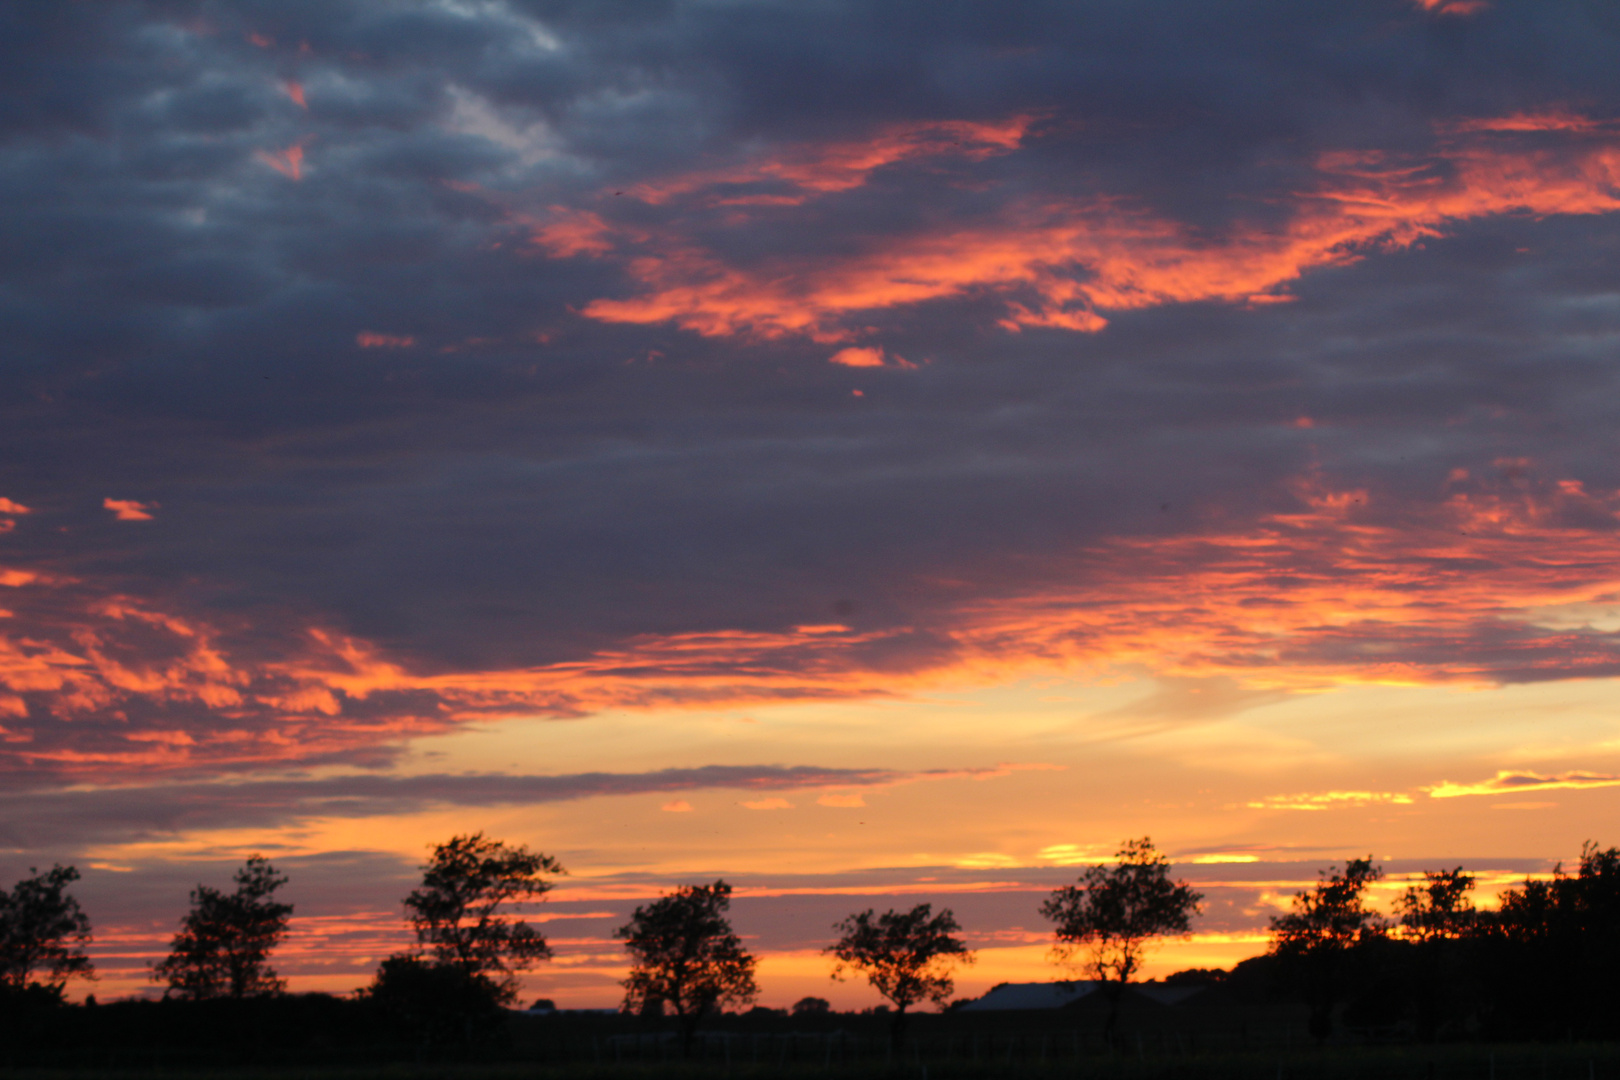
(1550, 1062)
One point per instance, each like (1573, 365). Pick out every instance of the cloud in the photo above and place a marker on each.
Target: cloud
(1507, 782)
(1330, 800)
(857, 357)
(1374, 593)
(370, 339)
(677, 806)
(128, 509)
(541, 509)
(77, 815)
(288, 162)
(1067, 262)
(1453, 7)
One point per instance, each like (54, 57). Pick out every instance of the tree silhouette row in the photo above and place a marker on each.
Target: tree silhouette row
(1438, 966)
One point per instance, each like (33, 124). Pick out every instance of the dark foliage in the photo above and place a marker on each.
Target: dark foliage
(225, 940)
(456, 912)
(436, 1004)
(1114, 913)
(1323, 941)
(907, 956)
(1549, 955)
(684, 955)
(43, 934)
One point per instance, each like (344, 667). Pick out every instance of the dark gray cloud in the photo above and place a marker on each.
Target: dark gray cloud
(66, 820)
(207, 205)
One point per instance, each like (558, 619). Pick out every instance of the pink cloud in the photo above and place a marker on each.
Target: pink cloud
(288, 162)
(129, 509)
(1066, 263)
(857, 357)
(370, 339)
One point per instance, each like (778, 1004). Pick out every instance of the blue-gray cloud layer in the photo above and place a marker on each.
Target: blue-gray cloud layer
(523, 484)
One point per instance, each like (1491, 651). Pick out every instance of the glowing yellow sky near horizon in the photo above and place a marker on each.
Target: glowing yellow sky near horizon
(1216, 774)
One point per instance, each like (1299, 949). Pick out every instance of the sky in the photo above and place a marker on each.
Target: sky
(871, 452)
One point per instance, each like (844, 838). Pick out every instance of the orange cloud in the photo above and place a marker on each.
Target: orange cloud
(1491, 582)
(369, 339)
(566, 233)
(845, 801)
(1327, 800)
(805, 172)
(677, 806)
(768, 804)
(295, 91)
(857, 357)
(1066, 263)
(1507, 782)
(288, 162)
(1453, 7)
(128, 509)
(7, 506)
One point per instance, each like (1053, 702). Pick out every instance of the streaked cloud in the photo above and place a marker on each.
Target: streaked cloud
(1328, 800)
(128, 509)
(1509, 782)
(1069, 263)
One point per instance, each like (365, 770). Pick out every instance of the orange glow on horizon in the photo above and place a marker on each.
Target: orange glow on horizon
(1487, 585)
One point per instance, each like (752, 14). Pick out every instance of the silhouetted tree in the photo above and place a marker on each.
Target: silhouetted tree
(456, 912)
(1317, 941)
(1115, 913)
(1439, 909)
(684, 954)
(43, 933)
(907, 956)
(225, 939)
(1437, 919)
(435, 1004)
(812, 1006)
(1554, 945)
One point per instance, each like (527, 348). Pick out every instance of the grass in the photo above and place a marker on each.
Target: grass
(1565, 1061)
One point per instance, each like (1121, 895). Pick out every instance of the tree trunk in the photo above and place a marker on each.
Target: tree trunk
(1116, 995)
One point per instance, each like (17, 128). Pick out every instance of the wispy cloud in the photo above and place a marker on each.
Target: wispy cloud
(1330, 800)
(1509, 782)
(1068, 263)
(42, 815)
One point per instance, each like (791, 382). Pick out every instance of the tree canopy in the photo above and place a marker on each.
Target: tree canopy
(1110, 917)
(1319, 940)
(225, 941)
(684, 955)
(456, 911)
(43, 932)
(1114, 913)
(907, 956)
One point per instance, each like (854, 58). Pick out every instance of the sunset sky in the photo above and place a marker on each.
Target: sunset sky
(873, 452)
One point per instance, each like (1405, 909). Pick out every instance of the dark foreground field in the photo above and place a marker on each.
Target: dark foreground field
(316, 1037)
(1559, 1062)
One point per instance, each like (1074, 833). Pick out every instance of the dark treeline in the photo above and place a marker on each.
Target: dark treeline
(1539, 966)
(1542, 965)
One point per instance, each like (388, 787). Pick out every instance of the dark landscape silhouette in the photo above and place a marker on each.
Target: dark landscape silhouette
(1436, 976)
